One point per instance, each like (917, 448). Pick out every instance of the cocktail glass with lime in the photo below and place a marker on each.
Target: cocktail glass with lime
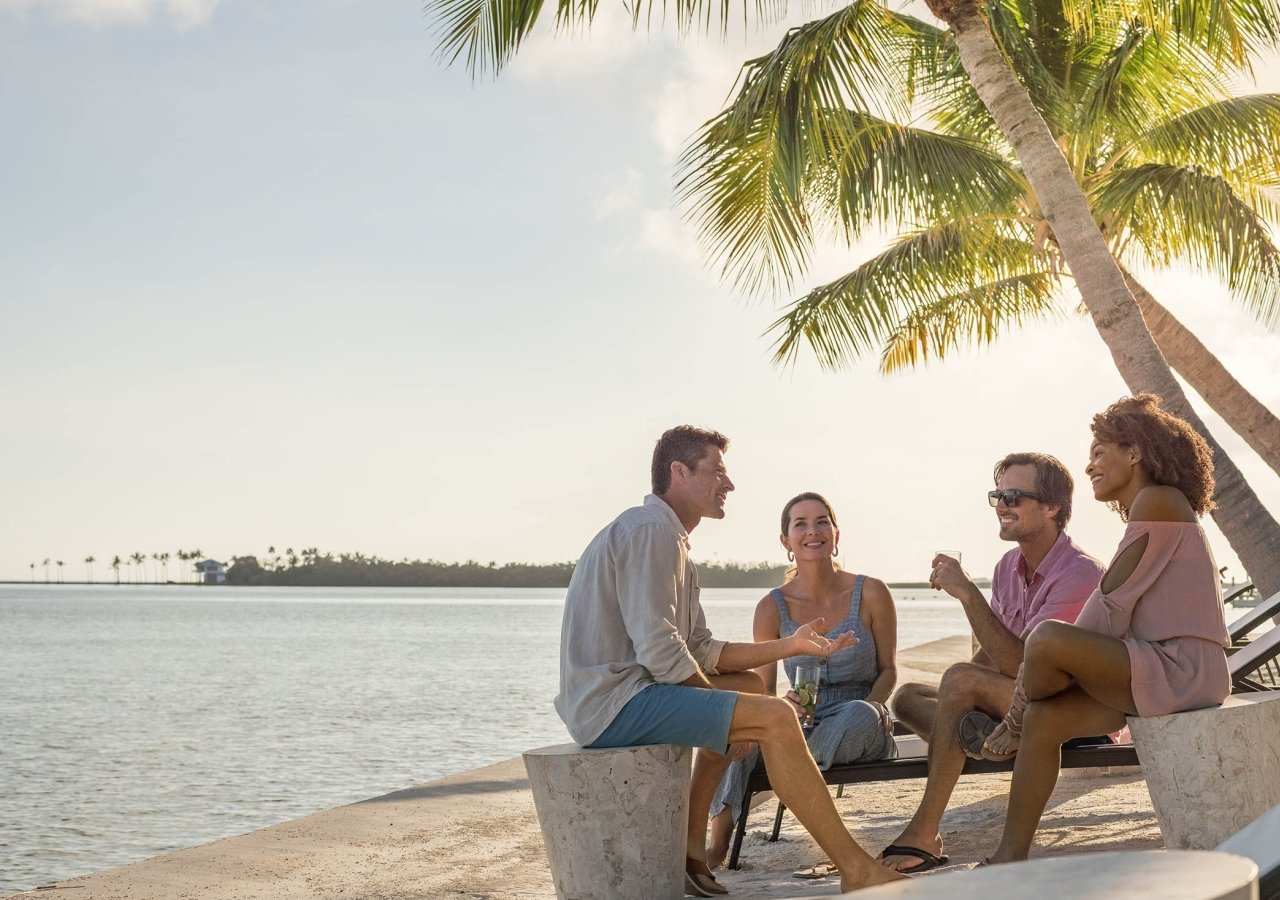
(806, 688)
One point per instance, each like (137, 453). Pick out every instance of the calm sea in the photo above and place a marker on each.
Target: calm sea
(135, 720)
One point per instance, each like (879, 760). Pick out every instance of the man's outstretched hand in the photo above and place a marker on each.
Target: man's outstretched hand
(810, 641)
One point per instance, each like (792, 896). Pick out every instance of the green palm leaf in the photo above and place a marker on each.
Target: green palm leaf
(1231, 30)
(978, 316)
(850, 316)
(1239, 136)
(1188, 214)
(756, 215)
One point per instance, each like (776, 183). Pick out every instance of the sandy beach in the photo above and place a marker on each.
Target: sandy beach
(475, 835)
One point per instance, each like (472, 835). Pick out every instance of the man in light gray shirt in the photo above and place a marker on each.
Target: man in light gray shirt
(638, 665)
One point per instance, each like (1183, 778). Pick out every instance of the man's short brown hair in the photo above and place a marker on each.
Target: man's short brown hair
(685, 444)
(1053, 482)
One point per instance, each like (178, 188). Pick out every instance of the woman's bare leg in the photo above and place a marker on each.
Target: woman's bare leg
(1047, 724)
(1079, 684)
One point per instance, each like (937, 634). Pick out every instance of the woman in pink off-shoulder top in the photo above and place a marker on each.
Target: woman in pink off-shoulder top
(1150, 640)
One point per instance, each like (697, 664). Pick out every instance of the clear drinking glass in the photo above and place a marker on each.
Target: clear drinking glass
(954, 554)
(806, 686)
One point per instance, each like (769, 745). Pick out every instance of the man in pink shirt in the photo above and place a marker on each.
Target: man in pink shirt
(1045, 577)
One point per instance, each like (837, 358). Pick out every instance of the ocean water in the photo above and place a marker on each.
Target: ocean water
(137, 719)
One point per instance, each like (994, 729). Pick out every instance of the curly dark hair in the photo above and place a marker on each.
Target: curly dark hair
(1173, 453)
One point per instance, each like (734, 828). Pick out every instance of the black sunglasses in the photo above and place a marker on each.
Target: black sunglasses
(1011, 497)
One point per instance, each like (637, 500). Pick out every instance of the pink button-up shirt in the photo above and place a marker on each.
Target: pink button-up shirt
(1058, 589)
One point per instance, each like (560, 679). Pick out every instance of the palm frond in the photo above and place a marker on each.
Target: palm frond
(1230, 30)
(753, 203)
(894, 174)
(976, 316)
(745, 175)
(486, 33)
(1185, 213)
(852, 315)
(745, 189)
(1239, 136)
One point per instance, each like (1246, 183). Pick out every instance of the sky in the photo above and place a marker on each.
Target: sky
(273, 275)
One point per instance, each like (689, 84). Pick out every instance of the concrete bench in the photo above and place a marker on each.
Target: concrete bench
(1211, 771)
(613, 821)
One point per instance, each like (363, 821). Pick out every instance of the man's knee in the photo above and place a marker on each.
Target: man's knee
(961, 682)
(908, 697)
(752, 683)
(769, 717)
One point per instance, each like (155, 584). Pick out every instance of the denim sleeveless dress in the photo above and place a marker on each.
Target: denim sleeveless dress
(846, 728)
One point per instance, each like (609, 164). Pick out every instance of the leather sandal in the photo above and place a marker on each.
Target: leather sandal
(699, 881)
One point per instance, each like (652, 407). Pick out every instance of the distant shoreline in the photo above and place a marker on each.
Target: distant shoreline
(899, 585)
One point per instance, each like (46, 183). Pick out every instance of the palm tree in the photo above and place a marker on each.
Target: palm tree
(1247, 525)
(489, 32)
(139, 560)
(46, 570)
(1175, 179)
(88, 562)
(115, 566)
(60, 565)
(33, 573)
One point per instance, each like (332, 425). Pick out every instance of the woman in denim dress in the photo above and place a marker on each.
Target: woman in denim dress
(851, 723)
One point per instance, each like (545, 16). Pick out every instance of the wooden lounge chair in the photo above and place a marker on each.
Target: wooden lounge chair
(1267, 609)
(1244, 662)
(1248, 661)
(1236, 593)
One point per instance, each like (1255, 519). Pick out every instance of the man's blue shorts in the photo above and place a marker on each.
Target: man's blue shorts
(673, 714)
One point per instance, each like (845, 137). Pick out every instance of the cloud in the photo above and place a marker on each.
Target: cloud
(183, 13)
(660, 230)
(571, 53)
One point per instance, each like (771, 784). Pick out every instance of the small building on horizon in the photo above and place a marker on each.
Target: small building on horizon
(211, 571)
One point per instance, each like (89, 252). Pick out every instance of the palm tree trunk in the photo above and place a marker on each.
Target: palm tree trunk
(1209, 378)
(1251, 530)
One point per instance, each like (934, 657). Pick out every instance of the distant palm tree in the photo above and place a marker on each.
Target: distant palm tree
(89, 561)
(115, 564)
(139, 560)
(33, 572)
(46, 570)
(60, 565)
(164, 564)
(196, 555)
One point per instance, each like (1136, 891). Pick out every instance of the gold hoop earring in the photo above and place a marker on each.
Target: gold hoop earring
(791, 557)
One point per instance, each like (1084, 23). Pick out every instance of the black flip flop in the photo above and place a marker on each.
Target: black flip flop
(927, 860)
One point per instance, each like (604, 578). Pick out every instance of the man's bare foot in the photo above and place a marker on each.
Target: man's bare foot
(910, 853)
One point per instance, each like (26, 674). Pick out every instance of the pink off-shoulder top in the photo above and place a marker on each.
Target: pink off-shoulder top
(1169, 615)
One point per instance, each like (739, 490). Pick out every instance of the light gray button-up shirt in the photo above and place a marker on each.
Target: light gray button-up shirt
(631, 619)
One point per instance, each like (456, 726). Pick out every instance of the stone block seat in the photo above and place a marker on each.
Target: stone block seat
(1211, 771)
(613, 820)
